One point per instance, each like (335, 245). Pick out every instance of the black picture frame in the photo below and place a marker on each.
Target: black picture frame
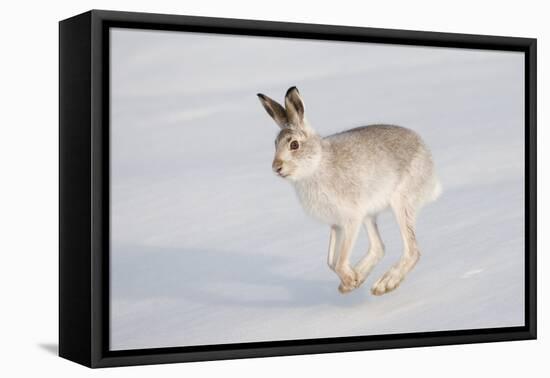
(84, 188)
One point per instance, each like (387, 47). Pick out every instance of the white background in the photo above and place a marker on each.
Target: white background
(28, 198)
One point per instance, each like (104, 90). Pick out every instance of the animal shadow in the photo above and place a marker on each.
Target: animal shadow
(208, 276)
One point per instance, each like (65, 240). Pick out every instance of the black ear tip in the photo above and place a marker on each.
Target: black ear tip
(260, 96)
(293, 88)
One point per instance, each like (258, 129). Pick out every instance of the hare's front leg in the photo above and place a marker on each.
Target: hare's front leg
(375, 252)
(405, 216)
(331, 260)
(346, 235)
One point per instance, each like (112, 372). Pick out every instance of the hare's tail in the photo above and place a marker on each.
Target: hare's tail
(432, 191)
(437, 190)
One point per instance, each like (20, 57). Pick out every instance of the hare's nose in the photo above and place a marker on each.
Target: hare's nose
(277, 166)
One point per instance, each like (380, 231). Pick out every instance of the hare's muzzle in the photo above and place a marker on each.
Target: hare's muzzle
(277, 166)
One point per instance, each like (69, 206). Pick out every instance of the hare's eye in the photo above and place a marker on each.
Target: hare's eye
(294, 145)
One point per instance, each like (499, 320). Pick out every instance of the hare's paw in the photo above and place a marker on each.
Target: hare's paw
(344, 289)
(361, 278)
(349, 282)
(388, 282)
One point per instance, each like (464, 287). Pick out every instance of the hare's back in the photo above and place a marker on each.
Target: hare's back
(386, 145)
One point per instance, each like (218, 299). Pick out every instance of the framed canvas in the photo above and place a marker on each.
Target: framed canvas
(235, 188)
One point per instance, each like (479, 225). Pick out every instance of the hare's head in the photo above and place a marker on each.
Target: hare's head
(297, 147)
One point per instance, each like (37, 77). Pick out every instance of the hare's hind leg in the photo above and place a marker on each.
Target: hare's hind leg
(405, 215)
(375, 252)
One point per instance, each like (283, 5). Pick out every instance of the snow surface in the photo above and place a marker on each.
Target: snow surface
(208, 246)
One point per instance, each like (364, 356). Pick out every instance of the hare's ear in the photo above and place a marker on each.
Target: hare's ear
(294, 107)
(275, 110)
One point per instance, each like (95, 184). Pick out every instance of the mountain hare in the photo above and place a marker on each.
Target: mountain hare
(346, 179)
